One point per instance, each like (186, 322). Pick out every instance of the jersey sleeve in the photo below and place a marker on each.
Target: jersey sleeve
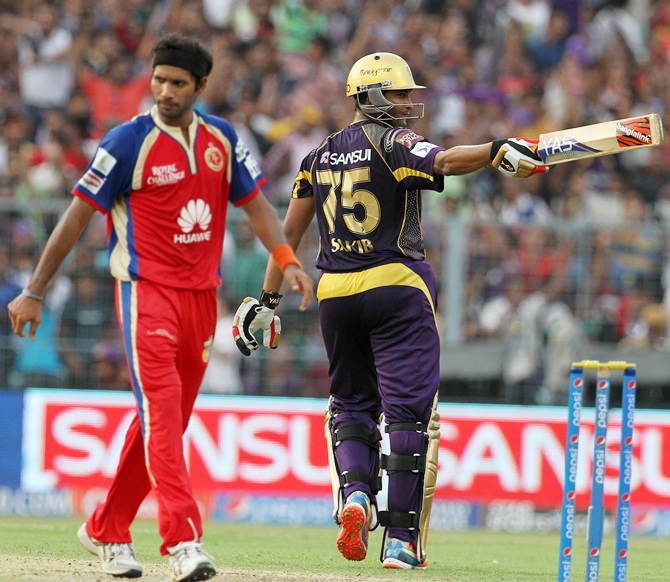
(412, 158)
(246, 175)
(303, 181)
(110, 172)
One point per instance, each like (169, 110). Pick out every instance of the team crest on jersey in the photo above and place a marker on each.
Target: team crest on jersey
(214, 158)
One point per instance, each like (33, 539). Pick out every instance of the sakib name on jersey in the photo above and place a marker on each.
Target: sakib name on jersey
(335, 158)
(361, 246)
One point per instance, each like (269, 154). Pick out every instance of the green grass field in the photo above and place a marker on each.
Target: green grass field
(35, 550)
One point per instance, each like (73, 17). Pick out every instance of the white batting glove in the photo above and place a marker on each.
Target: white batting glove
(249, 318)
(516, 157)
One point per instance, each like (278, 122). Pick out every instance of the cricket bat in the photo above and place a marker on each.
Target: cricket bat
(600, 139)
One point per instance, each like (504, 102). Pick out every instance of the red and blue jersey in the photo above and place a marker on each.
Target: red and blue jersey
(366, 182)
(166, 198)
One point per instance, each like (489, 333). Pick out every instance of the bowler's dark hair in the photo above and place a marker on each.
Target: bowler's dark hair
(184, 52)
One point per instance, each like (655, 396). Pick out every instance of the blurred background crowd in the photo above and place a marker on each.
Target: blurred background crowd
(546, 267)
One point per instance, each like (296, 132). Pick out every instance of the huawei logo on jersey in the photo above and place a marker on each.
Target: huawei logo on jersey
(195, 213)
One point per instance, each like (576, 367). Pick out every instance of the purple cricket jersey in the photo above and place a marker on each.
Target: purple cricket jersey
(366, 180)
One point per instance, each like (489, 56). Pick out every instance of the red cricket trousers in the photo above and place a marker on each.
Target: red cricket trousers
(167, 334)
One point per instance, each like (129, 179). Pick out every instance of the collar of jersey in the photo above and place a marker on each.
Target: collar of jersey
(175, 132)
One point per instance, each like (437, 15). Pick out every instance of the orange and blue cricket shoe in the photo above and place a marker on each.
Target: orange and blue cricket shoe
(402, 556)
(352, 541)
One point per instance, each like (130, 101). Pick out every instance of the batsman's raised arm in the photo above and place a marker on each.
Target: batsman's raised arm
(515, 157)
(27, 307)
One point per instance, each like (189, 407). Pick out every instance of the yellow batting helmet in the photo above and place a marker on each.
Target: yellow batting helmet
(384, 71)
(373, 74)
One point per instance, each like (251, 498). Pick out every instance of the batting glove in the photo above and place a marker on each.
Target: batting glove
(253, 315)
(517, 157)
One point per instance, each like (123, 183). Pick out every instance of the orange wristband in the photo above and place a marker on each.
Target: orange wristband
(284, 256)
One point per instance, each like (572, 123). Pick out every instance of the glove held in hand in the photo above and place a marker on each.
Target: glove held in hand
(249, 318)
(516, 157)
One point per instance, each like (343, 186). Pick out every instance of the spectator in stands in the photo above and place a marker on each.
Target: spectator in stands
(246, 268)
(23, 244)
(318, 85)
(546, 50)
(103, 48)
(294, 138)
(109, 369)
(532, 17)
(134, 23)
(265, 73)
(78, 113)
(637, 251)
(250, 125)
(540, 262)
(520, 204)
(46, 74)
(8, 290)
(40, 363)
(15, 141)
(614, 26)
(188, 18)
(491, 260)
(342, 22)
(541, 337)
(9, 61)
(249, 19)
(57, 159)
(651, 173)
(583, 201)
(649, 331)
(297, 23)
(512, 68)
(88, 317)
(117, 95)
(661, 208)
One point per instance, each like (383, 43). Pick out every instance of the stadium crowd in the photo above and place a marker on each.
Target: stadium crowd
(72, 69)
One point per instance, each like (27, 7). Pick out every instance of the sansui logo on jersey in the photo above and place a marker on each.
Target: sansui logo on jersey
(347, 158)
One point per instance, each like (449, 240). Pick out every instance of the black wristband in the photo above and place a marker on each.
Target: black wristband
(269, 299)
(496, 144)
